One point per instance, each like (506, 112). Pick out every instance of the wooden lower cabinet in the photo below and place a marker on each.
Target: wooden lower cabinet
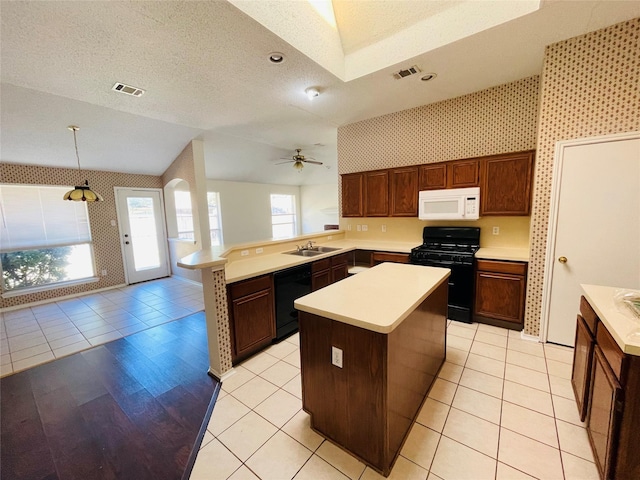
(380, 257)
(581, 372)
(329, 270)
(603, 415)
(612, 392)
(500, 293)
(251, 315)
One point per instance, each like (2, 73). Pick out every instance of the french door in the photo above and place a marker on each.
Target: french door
(142, 233)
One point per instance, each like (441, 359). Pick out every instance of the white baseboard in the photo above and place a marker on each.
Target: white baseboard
(529, 338)
(59, 299)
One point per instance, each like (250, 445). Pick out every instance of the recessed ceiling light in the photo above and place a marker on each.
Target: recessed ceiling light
(312, 92)
(428, 76)
(276, 57)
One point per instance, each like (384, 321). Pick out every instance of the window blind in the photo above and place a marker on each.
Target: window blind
(36, 217)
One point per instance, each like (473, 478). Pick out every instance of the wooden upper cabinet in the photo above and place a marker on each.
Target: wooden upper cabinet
(506, 184)
(463, 174)
(432, 177)
(376, 194)
(353, 195)
(404, 192)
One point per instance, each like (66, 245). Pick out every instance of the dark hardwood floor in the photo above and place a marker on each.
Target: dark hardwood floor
(135, 408)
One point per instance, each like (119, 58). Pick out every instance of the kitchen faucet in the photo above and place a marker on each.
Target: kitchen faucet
(310, 245)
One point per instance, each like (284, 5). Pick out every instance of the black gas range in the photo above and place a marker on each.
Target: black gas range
(454, 248)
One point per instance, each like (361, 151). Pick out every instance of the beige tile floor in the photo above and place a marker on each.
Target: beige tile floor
(36, 335)
(502, 408)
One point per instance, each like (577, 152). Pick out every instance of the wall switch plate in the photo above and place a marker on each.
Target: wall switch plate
(496, 230)
(104, 273)
(259, 250)
(336, 357)
(113, 223)
(244, 253)
(359, 227)
(365, 228)
(384, 228)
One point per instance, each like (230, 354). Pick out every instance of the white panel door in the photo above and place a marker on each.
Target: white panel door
(142, 233)
(597, 228)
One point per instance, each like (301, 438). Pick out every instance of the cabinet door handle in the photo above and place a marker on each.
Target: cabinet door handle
(562, 259)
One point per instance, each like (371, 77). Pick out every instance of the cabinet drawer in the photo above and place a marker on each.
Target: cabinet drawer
(320, 265)
(341, 259)
(589, 315)
(247, 287)
(515, 268)
(379, 257)
(610, 350)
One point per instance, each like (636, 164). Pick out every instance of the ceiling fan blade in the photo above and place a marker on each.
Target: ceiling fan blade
(288, 161)
(312, 161)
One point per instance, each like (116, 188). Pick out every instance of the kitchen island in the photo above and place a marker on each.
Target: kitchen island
(371, 346)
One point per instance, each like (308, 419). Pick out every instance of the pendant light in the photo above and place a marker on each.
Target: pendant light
(81, 192)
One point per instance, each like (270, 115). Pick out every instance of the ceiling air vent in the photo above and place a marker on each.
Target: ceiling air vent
(128, 89)
(406, 73)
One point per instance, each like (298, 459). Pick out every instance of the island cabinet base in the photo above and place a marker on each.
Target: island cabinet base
(368, 406)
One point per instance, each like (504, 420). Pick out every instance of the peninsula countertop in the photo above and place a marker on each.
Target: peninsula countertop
(256, 265)
(619, 323)
(378, 299)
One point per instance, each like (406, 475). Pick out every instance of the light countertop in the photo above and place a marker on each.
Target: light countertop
(268, 263)
(262, 264)
(378, 299)
(619, 323)
(503, 253)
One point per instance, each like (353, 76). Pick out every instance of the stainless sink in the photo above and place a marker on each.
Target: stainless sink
(304, 253)
(311, 252)
(324, 249)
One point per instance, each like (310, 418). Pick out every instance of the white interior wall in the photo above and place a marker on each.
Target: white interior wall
(245, 209)
(319, 207)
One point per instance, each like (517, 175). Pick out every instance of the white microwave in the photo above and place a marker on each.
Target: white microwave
(450, 204)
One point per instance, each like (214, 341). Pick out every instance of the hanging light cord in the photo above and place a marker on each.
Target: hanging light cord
(75, 142)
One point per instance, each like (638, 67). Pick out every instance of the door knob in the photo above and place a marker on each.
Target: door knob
(562, 259)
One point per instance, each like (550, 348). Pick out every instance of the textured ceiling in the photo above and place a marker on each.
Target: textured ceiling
(204, 66)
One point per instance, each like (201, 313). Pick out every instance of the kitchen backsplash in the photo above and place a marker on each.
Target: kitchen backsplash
(513, 231)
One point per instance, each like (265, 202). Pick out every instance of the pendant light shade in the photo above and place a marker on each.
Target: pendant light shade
(81, 193)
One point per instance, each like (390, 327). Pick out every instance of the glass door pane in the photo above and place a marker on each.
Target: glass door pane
(144, 240)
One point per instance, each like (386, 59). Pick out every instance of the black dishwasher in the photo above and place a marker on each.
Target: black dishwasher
(290, 284)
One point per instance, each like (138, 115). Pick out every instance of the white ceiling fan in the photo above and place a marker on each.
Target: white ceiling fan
(299, 160)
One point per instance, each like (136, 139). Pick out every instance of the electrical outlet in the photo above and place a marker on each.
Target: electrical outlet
(349, 227)
(244, 253)
(359, 228)
(496, 230)
(113, 223)
(384, 228)
(104, 273)
(365, 228)
(330, 237)
(259, 250)
(336, 357)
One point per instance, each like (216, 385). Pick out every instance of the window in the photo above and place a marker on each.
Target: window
(215, 221)
(43, 239)
(283, 216)
(184, 216)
